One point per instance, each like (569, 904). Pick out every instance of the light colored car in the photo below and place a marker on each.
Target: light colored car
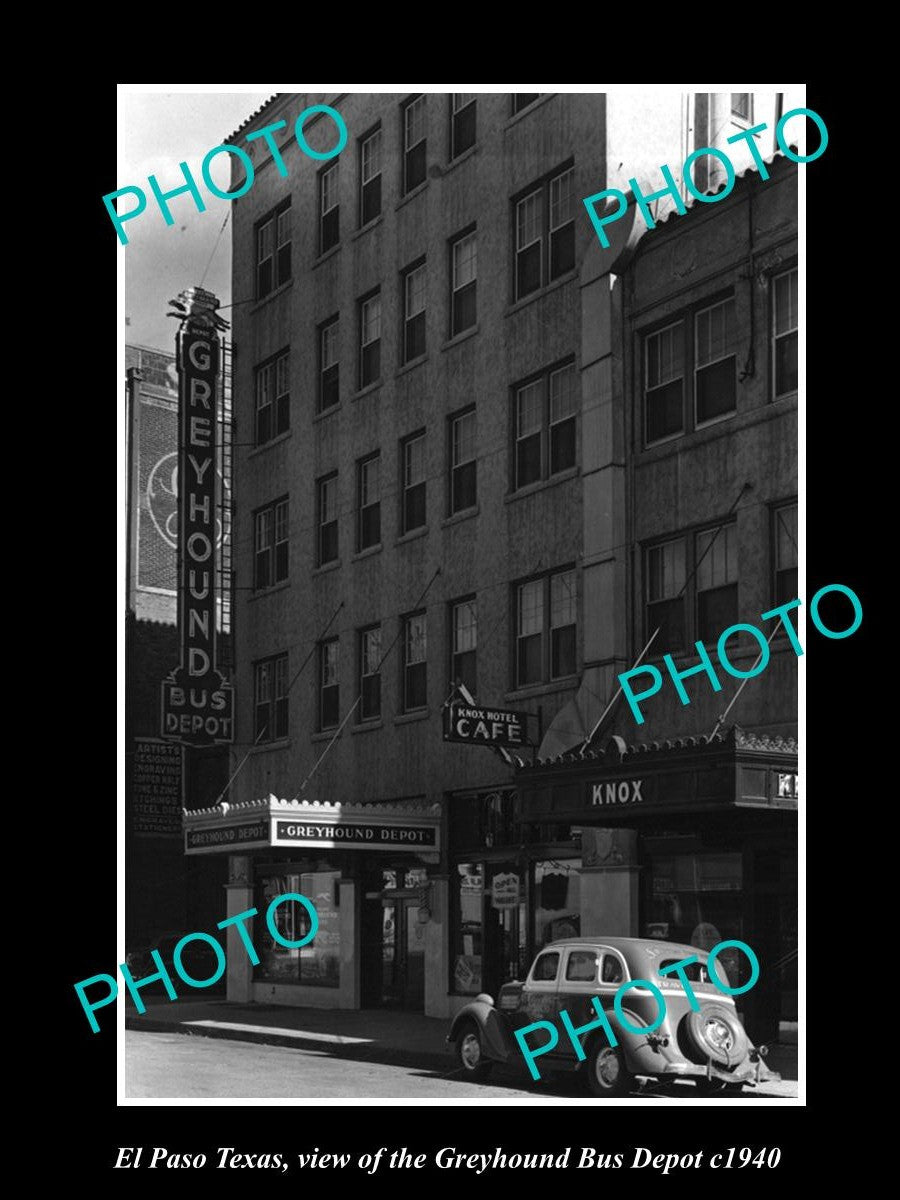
(708, 1046)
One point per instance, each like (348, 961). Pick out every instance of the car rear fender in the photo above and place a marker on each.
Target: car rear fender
(494, 1029)
(642, 1056)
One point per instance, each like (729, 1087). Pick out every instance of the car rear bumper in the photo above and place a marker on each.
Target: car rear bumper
(747, 1073)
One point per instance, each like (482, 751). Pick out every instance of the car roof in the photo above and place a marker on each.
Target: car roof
(626, 944)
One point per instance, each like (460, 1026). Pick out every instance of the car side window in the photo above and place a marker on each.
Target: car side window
(612, 970)
(545, 968)
(582, 966)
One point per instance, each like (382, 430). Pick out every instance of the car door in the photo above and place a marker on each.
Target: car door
(586, 972)
(539, 999)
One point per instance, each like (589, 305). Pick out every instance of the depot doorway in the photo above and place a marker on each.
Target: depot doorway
(394, 951)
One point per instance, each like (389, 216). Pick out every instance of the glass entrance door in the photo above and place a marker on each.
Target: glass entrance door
(402, 954)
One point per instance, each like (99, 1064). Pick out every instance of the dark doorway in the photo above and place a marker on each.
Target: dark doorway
(394, 955)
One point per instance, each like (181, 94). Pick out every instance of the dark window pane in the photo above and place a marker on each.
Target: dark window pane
(716, 610)
(786, 585)
(464, 307)
(463, 130)
(262, 732)
(665, 411)
(415, 337)
(716, 389)
(528, 459)
(331, 228)
(668, 615)
(562, 250)
(263, 424)
(281, 561)
(330, 391)
(284, 263)
(562, 446)
(371, 697)
(464, 486)
(528, 270)
(786, 364)
(416, 692)
(262, 569)
(415, 166)
(264, 278)
(371, 363)
(328, 542)
(562, 652)
(523, 99)
(330, 706)
(371, 200)
(370, 526)
(414, 507)
(281, 718)
(282, 414)
(529, 660)
(464, 670)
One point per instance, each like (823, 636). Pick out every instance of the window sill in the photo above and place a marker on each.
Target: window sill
(784, 396)
(364, 391)
(526, 112)
(326, 412)
(417, 191)
(368, 726)
(461, 158)
(461, 337)
(324, 735)
(367, 553)
(463, 515)
(275, 744)
(420, 714)
(279, 291)
(699, 426)
(323, 258)
(412, 364)
(281, 437)
(326, 567)
(367, 228)
(540, 292)
(418, 532)
(544, 689)
(261, 593)
(542, 484)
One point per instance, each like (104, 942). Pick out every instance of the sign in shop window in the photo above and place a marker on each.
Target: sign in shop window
(316, 964)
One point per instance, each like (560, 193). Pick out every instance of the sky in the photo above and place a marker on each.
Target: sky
(157, 131)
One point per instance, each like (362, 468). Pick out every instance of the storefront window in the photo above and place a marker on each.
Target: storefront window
(507, 923)
(468, 932)
(316, 964)
(557, 900)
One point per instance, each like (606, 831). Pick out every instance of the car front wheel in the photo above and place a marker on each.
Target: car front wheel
(606, 1071)
(470, 1052)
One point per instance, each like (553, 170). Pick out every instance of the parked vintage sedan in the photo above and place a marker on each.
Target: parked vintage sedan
(708, 1047)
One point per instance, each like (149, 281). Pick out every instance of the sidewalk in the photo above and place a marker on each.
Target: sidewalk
(374, 1035)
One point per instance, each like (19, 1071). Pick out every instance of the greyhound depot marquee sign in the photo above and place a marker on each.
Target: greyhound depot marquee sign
(197, 700)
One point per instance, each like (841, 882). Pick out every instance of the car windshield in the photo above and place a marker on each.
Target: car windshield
(696, 972)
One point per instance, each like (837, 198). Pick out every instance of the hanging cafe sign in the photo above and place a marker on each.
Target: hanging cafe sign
(485, 726)
(197, 700)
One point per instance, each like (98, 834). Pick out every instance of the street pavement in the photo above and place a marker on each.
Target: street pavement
(167, 1065)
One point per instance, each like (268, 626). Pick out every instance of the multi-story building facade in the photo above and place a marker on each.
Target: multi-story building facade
(419, 404)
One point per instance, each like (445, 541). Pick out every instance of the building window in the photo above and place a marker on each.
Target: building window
(742, 106)
(463, 465)
(329, 364)
(368, 501)
(370, 177)
(717, 593)
(414, 289)
(414, 143)
(318, 963)
(326, 507)
(464, 273)
(412, 458)
(462, 122)
(546, 616)
(273, 251)
(715, 382)
(273, 402)
(370, 673)
(415, 678)
(707, 560)
(270, 562)
(270, 688)
(664, 382)
(784, 333)
(786, 554)
(665, 599)
(545, 233)
(521, 100)
(329, 208)
(545, 415)
(329, 683)
(370, 339)
(464, 643)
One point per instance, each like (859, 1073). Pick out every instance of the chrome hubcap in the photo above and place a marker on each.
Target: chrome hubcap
(470, 1051)
(607, 1067)
(719, 1035)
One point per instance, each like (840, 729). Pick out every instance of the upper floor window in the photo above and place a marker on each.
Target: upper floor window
(715, 364)
(664, 382)
(545, 416)
(462, 122)
(329, 208)
(329, 364)
(464, 643)
(693, 576)
(414, 143)
(545, 233)
(329, 684)
(785, 322)
(326, 519)
(546, 622)
(742, 106)
(412, 463)
(414, 294)
(415, 659)
(463, 283)
(273, 250)
(370, 177)
(270, 691)
(370, 673)
(786, 553)
(273, 401)
(521, 100)
(368, 488)
(270, 558)
(463, 463)
(370, 339)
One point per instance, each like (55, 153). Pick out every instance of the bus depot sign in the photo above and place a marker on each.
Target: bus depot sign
(485, 726)
(197, 700)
